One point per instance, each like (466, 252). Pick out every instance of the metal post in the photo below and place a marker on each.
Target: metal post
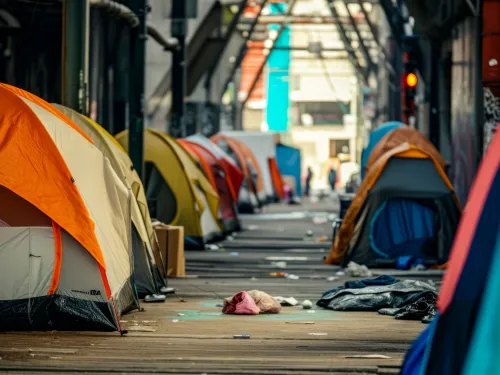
(75, 52)
(179, 31)
(136, 86)
(433, 91)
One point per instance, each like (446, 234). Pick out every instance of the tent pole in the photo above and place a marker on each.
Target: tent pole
(137, 86)
(75, 52)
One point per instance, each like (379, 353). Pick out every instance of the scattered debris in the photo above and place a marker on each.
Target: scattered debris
(309, 233)
(149, 321)
(300, 322)
(235, 254)
(211, 247)
(285, 258)
(340, 273)
(287, 301)
(318, 334)
(319, 220)
(279, 264)
(419, 267)
(141, 329)
(277, 274)
(368, 356)
(175, 320)
(356, 270)
(322, 239)
(331, 278)
(244, 336)
(230, 238)
(311, 311)
(182, 300)
(254, 279)
(306, 305)
(292, 277)
(180, 314)
(253, 227)
(55, 357)
(219, 305)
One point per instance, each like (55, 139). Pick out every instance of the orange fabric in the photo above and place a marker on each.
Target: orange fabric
(235, 147)
(32, 167)
(192, 149)
(105, 282)
(42, 103)
(340, 244)
(404, 135)
(57, 258)
(276, 177)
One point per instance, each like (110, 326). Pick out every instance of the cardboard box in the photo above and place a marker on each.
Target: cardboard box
(176, 261)
(160, 249)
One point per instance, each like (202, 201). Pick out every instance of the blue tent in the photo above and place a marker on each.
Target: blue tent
(375, 137)
(289, 164)
(465, 339)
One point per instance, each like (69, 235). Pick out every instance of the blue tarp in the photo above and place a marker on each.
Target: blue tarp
(289, 164)
(400, 227)
(375, 137)
(416, 358)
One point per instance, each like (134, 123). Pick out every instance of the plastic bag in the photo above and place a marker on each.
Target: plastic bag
(241, 304)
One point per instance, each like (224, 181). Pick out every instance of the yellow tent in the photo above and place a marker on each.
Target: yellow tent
(147, 281)
(178, 193)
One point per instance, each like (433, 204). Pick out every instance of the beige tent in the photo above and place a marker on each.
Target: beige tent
(65, 251)
(147, 279)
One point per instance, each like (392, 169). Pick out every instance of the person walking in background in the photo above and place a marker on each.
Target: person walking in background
(332, 177)
(309, 177)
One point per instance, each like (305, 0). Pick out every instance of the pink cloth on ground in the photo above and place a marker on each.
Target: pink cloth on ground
(241, 304)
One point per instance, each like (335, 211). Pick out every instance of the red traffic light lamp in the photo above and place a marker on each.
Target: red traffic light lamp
(411, 80)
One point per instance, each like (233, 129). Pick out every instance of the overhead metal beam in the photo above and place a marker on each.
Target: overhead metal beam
(243, 48)
(395, 20)
(369, 62)
(291, 5)
(374, 32)
(298, 19)
(227, 37)
(347, 43)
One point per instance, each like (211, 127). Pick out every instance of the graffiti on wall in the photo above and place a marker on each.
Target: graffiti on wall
(491, 116)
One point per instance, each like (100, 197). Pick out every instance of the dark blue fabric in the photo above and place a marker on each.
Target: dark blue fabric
(407, 262)
(289, 164)
(417, 356)
(375, 137)
(357, 284)
(401, 227)
(458, 322)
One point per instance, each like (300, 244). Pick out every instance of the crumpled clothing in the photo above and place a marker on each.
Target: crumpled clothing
(374, 298)
(356, 284)
(266, 303)
(241, 304)
(253, 302)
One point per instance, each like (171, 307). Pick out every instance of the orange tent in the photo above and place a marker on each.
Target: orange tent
(219, 180)
(382, 184)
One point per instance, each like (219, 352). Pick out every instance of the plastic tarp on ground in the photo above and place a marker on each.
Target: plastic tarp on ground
(289, 164)
(375, 136)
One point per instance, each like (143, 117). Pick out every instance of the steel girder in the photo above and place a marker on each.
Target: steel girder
(291, 5)
(361, 71)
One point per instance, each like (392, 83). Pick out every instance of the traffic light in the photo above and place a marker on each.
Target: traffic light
(409, 86)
